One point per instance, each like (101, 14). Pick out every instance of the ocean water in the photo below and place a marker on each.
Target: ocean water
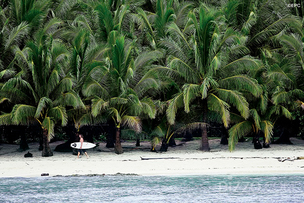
(143, 189)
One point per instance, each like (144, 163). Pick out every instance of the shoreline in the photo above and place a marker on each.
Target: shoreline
(184, 160)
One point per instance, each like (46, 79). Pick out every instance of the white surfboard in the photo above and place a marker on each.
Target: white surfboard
(85, 145)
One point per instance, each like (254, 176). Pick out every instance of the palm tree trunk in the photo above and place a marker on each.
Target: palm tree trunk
(118, 147)
(224, 136)
(137, 142)
(205, 143)
(111, 134)
(256, 140)
(23, 144)
(46, 151)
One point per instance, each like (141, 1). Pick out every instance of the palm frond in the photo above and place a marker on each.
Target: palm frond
(281, 97)
(48, 124)
(145, 21)
(263, 100)
(115, 114)
(267, 128)
(274, 28)
(243, 64)
(184, 69)
(21, 114)
(284, 97)
(53, 81)
(134, 105)
(294, 44)
(236, 118)
(66, 84)
(173, 29)
(97, 105)
(149, 81)
(191, 126)
(256, 118)
(121, 15)
(190, 92)
(117, 101)
(6, 119)
(158, 131)
(6, 73)
(146, 58)
(2, 99)
(249, 23)
(277, 74)
(52, 26)
(72, 99)
(132, 122)
(237, 131)
(42, 104)
(218, 105)
(148, 107)
(208, 83)
(174, 104)
(64, 7)
(242, 83)
(59, 113)
(92, 87)
(285, 112)
(235, 98)
(85, 119)
(17, 34)
(118, 55)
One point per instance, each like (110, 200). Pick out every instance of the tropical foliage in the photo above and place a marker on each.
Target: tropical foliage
(170, 64)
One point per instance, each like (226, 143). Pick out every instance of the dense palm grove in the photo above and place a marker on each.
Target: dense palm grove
(154, 66)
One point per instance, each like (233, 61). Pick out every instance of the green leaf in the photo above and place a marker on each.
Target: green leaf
(43, 103)
(148, 107)
(132, 122)
(72, 99)
(256, 117)
(114, 112)
(237, 131)
(206, 85)
(21, 114)
(236, 99)
(97, 105)
(16, 34)
(174, 104)
(218, 105)
(190, 92)
(241, 83)
(59, 113)
(267, 128)
(49, 124)
(6, 119)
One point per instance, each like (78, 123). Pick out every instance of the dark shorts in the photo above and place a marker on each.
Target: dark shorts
(81, 151)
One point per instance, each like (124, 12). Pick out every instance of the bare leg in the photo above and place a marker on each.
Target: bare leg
(86, 154)
(78, 154)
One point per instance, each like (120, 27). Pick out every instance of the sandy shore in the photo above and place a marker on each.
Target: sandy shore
(180, 160)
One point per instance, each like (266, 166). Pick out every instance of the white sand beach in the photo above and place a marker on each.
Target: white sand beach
(180, 160)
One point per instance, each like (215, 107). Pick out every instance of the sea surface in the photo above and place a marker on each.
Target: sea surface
(129, 188)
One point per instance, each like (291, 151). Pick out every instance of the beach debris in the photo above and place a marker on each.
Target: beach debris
(45, 174)
(151, 158)
(282, 159)
(28, 154)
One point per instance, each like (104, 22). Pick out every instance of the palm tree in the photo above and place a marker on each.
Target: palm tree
(19, 21)
(211, 71)
(121, 86)
(283, 70)
(41, 90)
(153, 25)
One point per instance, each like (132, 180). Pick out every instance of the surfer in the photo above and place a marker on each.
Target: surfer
(80, 150)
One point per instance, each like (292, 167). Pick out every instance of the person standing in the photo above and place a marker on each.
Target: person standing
(80, 150)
